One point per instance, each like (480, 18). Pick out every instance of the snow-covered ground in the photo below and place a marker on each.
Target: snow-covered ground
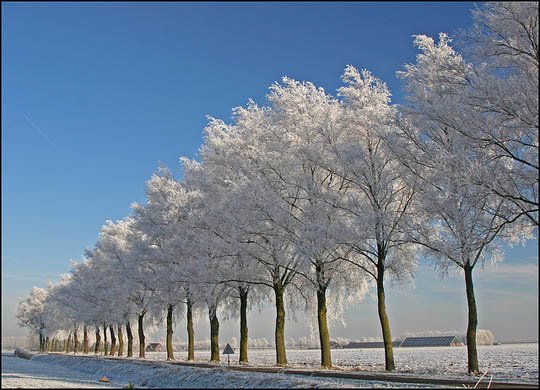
(507, 362)
(22, 373)
(67, 371)
(516, 363)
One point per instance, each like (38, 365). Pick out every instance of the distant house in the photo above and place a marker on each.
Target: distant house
(154, 347)
(370, 344)
(431, 341)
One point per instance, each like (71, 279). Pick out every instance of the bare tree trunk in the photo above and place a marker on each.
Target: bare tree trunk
(383, 317)
(130, 340)
(243, 325)
(47, 344)
(113, 341)
(105, 346)
(190, 331)
(281, 356)
(85, 339)
(98, 341)
(324, 336)
(41, 349)
(141, 337)
(214, 335)
(120, 341)
(68, 342)
(75, 339)
(170, 355)
(472, 322)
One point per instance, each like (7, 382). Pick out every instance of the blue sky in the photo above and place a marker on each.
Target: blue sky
(95, 95)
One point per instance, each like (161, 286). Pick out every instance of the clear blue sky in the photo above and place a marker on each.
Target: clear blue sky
(94, 96)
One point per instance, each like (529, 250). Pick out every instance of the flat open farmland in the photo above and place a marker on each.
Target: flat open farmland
(508, 362)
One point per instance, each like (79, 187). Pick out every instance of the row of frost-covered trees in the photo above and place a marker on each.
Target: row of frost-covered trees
(311, 200)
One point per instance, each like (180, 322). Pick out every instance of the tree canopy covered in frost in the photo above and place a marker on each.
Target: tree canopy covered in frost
(469, 140)
(310, 200)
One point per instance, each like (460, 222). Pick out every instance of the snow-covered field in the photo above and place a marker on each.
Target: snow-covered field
(515, 363)
(22, 373)
(50, 371)
(507, 362)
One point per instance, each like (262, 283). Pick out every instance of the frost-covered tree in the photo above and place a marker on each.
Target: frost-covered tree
(71, 308)
(374, 198)
(158, 219)
(503, 48)
(268, 165)
(166, 221)
(491, 90)
(68, 293)
(230, 264)
(30, 313)
(128, 249)
(254, 211)
(105, 299)
(299, 121)
(455, 223)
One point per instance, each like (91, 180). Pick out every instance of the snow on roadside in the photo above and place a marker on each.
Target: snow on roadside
(23, 373)
(163, 375)
(511, 363)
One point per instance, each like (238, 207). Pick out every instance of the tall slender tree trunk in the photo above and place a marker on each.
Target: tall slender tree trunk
(98, 341)
(214, 335)
(113, 341)
(40, 341)
(281, 356)
(472, 322)
(47, 344)
(243, 325)
(383, 317)
(141, 337)
(68, 342)
(170, 355)
(120, 341)
(105, 346)
(130, 340)
(324, 336)
(85, 339)
(75, 339)
(190, 331)
(56, 345)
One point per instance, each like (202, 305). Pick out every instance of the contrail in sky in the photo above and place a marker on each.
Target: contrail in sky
(39, 130)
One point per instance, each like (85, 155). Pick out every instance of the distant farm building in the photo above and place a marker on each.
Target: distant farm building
(154, 347)
(432, 341)
(369, 344)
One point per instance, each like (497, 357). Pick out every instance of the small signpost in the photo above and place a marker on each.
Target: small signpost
(228, 351)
